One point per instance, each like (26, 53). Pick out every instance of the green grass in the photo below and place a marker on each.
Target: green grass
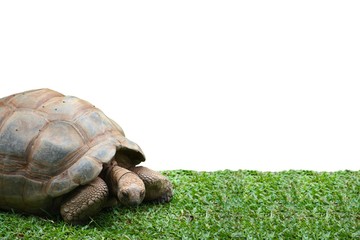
(222, 205)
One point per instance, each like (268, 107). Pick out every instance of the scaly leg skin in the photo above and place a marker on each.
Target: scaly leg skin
(158, 187)
(85, 201)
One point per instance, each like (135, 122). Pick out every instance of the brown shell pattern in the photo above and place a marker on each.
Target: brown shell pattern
(50, 144)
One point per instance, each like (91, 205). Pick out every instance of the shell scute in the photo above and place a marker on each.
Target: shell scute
(17, 132)
(52, 150)
(9, 188)
(31, 99)
(64, 107)
(50, 144)
(103, 152)
(83, 171)
(4, 112)
(94, 123)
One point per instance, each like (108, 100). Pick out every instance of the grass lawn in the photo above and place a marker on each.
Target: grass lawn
(222, 205)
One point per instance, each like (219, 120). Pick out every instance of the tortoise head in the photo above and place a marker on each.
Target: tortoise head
(131, 189)
(127, 186)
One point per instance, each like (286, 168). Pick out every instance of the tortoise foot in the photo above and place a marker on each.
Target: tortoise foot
(84, 202)
(158, 187)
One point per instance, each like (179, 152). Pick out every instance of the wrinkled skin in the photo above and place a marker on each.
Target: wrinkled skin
(116, 185)
(61, 153)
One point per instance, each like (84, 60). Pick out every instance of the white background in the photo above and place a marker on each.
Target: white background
(204, 85)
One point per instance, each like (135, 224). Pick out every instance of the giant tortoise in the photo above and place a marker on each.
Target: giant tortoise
(61, 154)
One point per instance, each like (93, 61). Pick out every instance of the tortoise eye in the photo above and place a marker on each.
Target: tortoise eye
(125, 194)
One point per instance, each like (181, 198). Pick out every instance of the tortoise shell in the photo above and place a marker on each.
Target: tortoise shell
(50, 144)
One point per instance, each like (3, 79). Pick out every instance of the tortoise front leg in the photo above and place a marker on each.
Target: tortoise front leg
(85, 201)
(158, 187)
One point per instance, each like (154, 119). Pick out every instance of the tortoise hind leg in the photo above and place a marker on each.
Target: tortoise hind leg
(84, 202)
(158, 187)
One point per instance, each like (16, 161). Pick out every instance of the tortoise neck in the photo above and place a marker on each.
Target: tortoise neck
(112, 174)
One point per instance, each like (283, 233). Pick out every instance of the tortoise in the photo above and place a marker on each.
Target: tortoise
(62, 154)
